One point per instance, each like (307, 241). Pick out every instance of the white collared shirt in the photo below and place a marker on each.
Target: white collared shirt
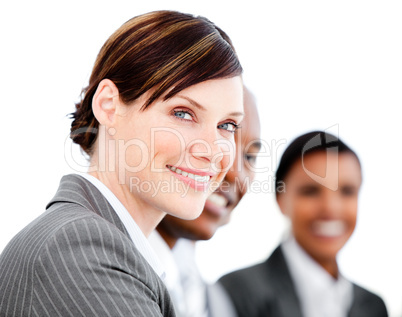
(136, 235)
(319, 293)
(194, 286)
(192, 296)
(172, 277)
(183, 280)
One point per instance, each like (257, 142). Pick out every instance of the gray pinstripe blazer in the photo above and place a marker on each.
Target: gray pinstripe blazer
(77, 259)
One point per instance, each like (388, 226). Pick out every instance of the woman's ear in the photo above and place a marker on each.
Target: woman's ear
(281, 200)
(104, 102)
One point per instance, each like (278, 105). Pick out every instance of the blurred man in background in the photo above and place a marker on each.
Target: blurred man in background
(174, 240)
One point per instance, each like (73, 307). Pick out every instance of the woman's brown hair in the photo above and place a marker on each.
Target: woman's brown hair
(159, 50)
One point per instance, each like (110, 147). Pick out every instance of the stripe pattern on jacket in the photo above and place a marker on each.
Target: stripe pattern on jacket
(77, 259)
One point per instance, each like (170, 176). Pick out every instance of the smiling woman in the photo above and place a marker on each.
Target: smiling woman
(163, 100)
(317, 187)
(173, 142)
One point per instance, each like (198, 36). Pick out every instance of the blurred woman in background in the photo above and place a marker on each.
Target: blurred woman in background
(317, 187)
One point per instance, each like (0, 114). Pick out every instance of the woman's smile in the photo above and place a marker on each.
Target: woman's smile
(329, 228)
(198, 180)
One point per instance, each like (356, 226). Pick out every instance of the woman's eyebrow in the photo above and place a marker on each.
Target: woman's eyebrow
(237, 114)
(193, 102)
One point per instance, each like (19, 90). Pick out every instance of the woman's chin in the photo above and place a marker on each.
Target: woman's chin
(190, 214)
(186, 209)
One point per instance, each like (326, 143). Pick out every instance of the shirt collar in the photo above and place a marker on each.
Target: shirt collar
(165, 254)
(303, 266)
(312, 280)
(134, 231)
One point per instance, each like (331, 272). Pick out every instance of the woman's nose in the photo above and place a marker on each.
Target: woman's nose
(332, 203)
(215, 150)
(206, 150)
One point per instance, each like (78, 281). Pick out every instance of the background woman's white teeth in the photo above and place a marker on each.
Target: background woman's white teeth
(329, 228)
(173, 168)
(178, 171)
(218, 200)
(184, 173)
(192, 176)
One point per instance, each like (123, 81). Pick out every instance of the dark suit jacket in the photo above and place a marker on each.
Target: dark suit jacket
(267, 290)
(77, 259)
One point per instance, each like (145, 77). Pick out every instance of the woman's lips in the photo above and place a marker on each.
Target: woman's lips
(196, 179)
(329, 228)
(216, 205)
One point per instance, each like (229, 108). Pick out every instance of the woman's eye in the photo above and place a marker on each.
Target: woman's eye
(228, 126)
(309, 191)
(348, 191)
(183, 115)
(251, 158)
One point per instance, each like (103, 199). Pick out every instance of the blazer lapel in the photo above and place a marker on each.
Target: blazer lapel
(288, 302)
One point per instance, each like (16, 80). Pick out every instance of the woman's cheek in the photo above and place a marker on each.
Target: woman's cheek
(170, 144)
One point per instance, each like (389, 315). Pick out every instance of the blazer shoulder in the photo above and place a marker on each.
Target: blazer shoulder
(245, 275)
(255, 276)
(77, 259)
(81, 266)
(366, 303)
(248, 290)
(92, 256)
(93, 241)
(63, 227)
(264, 289)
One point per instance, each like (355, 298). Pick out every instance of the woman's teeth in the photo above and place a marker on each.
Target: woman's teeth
(329, 228)
(218, 200)
(197, 178)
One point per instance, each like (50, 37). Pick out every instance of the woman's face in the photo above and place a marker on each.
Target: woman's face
(221, 203)
(172, 155)
(323, 210)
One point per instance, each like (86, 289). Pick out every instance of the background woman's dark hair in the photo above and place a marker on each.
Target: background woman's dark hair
(159, 50)
(305, 144)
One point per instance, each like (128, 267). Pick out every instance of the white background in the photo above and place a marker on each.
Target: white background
(311, 64)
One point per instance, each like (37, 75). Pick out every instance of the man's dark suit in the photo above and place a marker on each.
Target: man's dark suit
(267, 290)
(77, 259)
